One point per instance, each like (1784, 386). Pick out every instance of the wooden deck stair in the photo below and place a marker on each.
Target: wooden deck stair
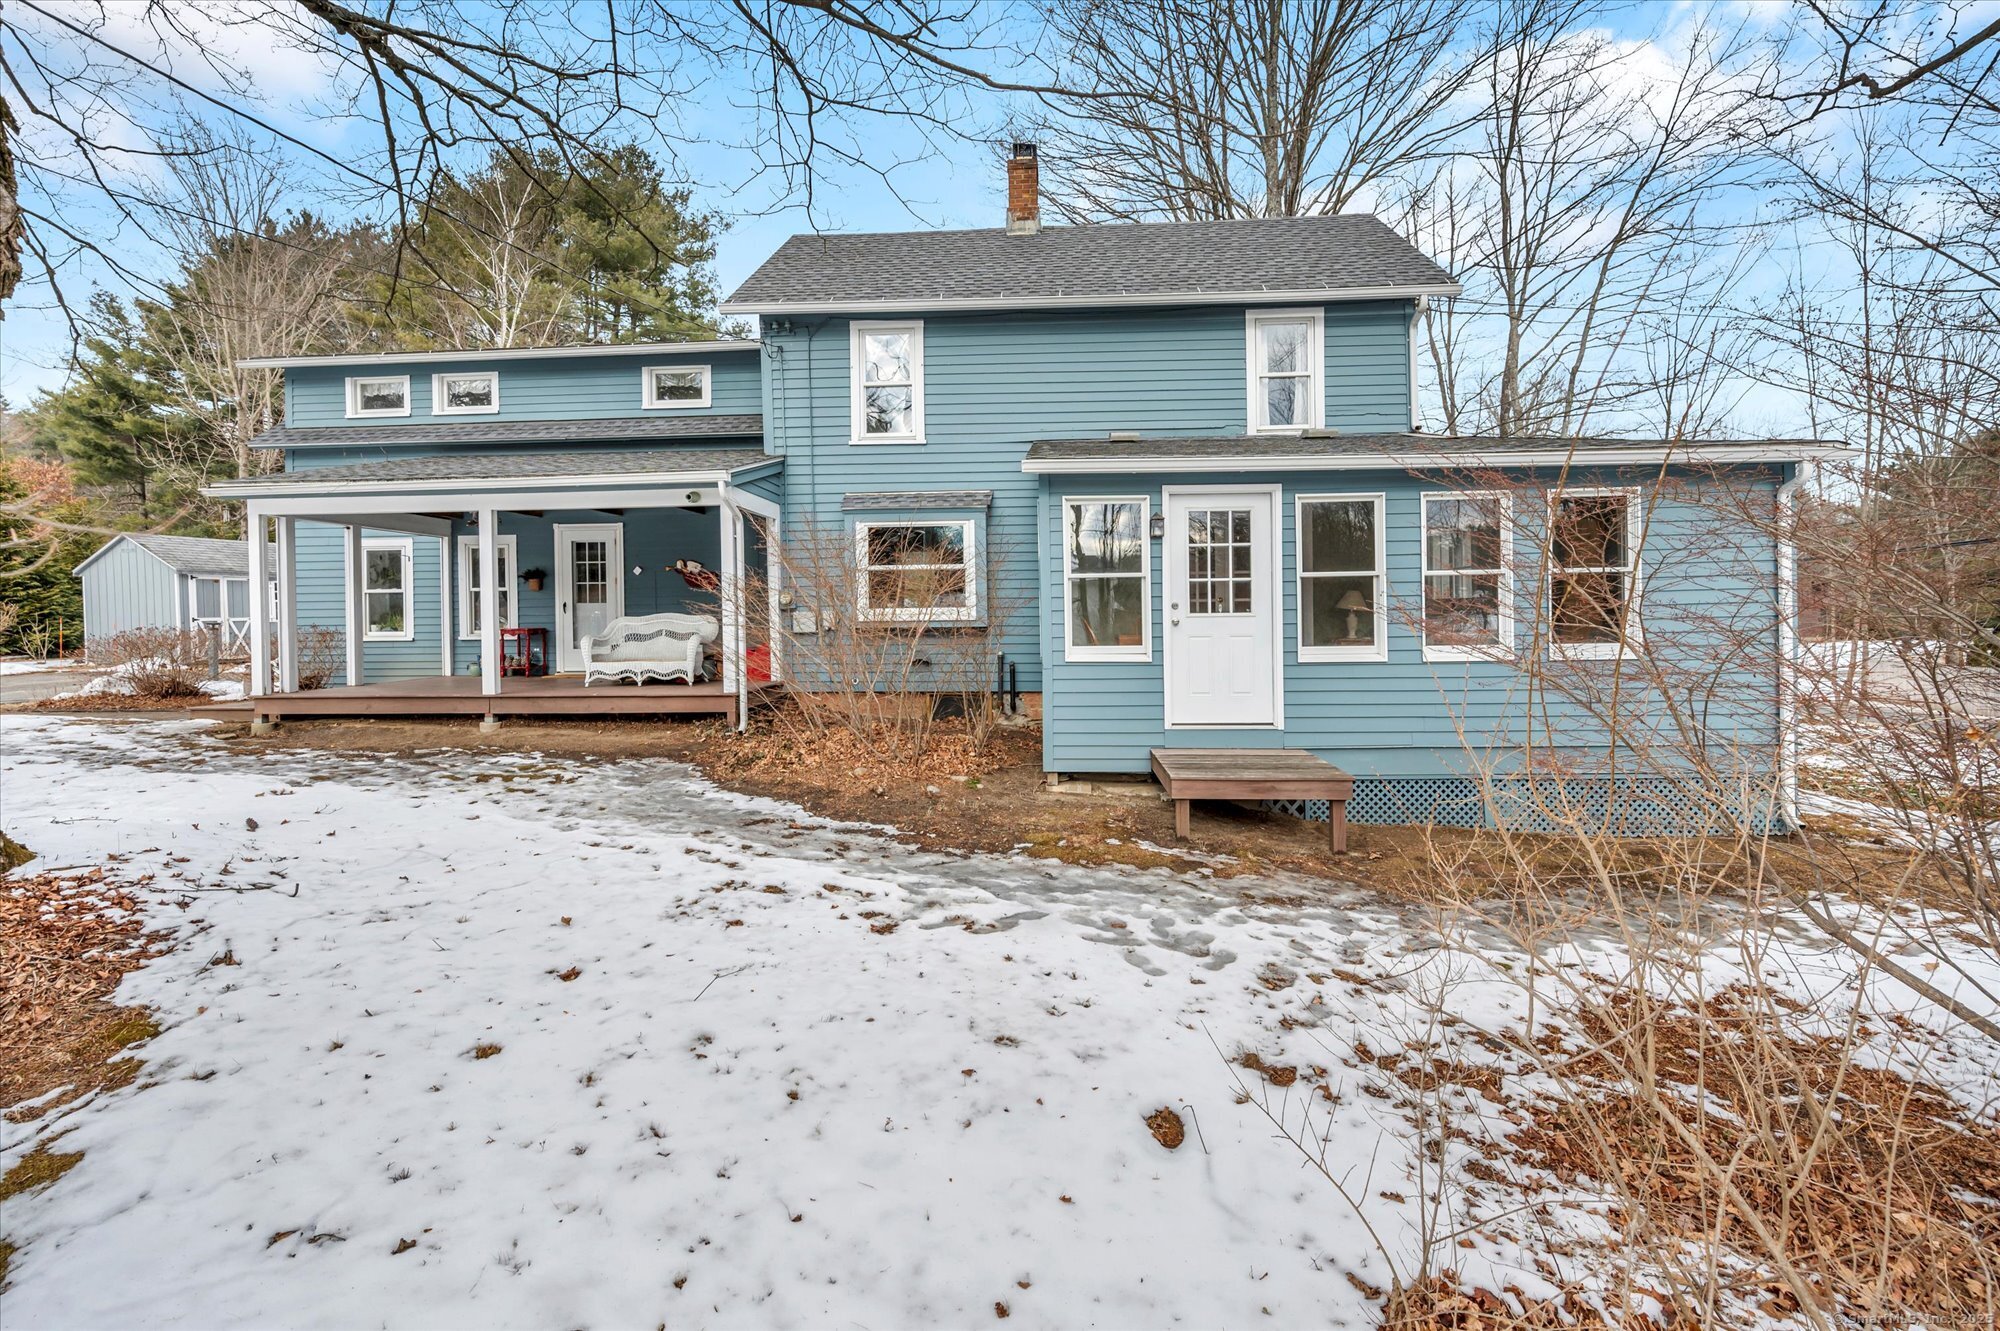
(1254, 774)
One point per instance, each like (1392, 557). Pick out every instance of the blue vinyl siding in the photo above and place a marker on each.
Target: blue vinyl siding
(1710, 597)
(996, 382)
(557, 388)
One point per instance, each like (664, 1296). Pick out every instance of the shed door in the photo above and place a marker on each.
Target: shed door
(1221, 660)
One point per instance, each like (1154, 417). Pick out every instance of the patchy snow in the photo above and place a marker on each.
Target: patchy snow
(117, 682)
(802, 1075)
(36, 667)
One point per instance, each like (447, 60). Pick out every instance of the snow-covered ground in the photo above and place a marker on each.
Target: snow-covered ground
(34, 665)
(800, 1076)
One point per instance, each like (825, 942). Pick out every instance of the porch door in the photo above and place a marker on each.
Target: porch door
(590, 585)
(1221, 658)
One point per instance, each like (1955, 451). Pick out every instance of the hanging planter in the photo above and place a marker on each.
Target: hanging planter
(534, 577)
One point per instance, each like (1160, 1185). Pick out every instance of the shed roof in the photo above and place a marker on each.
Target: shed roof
(196, 556)
(1403, 450)
(1344, 257)
(603, 430)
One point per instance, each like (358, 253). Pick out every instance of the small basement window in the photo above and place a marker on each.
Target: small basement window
(916, 570)
(379, 395)
(676, 386)
(1468, 590)
(385, 594)
(474, 394)
(1108, 577)
(1340, 578)
(1593, 573)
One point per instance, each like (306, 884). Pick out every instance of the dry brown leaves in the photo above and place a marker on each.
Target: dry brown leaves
(840, 760)
(69, 939)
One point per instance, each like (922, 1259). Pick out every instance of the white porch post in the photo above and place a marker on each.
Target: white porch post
(489, 601)
(732, 601)
(288, 604)
(446, 630)
(357, 604)
(260, 611)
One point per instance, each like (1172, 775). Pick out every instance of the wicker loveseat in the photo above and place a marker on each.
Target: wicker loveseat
(643, 647)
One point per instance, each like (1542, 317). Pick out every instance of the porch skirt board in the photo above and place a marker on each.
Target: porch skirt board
(1634, 807)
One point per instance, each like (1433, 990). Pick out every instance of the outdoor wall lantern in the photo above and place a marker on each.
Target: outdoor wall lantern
(1158, 525)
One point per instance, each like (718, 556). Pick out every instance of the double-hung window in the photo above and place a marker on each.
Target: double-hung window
(476, 393)
(378, 395)
(1108, 580)
(887, 361)
(676, 386)
(1593, 573)
(1341, 603)
(469, 584)
(917, 570)
(1287, 351)
(385, 592)
(1468, 588)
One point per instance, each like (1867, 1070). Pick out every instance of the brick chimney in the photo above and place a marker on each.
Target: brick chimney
(1024, 192)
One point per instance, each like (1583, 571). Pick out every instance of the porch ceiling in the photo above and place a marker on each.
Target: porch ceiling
(504, 471)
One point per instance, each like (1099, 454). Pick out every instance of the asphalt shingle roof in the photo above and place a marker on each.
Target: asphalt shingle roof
(1447, 449)
(199, 555)
(1058, 264)
(511, 467)
(617, 429)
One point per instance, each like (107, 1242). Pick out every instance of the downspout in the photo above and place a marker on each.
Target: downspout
(1417, 308)
(1788, 647)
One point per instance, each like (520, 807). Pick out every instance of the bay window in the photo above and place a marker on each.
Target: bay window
(1107, 580)
(887, 382)
(1341, 577)
(916, 570)
(1468, 590)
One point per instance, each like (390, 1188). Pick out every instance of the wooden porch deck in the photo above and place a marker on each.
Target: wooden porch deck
(1254, 774)
(459, 695)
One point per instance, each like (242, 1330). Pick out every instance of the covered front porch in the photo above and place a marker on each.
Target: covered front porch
(413, 587)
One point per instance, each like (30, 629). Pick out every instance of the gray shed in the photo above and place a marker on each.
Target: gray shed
(178, 582)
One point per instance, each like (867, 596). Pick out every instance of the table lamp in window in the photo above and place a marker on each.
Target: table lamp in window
(1354, 603)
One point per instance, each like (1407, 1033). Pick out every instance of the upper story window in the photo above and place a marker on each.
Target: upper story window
(1341, 579)
(1107, 572)
(379, 395)
(917, 570)
(1593, 573)
(888, 382)
(1468, 588)
(465, 394)
(1287, 351)
(677, 386)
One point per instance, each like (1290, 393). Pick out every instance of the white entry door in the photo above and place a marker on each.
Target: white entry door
(1221, 659)
(590, 585)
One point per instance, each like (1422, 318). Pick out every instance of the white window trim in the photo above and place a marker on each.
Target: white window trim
(856, 391)
(354, 383)
(440, 400)
(468, 557)
(1634, 636)
(651, 403)
(961, 615)
(401, 545)
(1143, 650)
(1315, 361)
(1504, 649)
(1311, 654)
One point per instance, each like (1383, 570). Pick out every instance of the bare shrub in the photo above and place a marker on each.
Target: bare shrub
(158, 663)
(322, 655)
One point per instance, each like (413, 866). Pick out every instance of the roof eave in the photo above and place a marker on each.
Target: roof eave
(1428, 461)
(247, 490)
(501, 354)
(1325, 295)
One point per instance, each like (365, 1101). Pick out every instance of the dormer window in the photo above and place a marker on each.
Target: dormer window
(472, 394)
(676, 386)
(1287, 352)
(379, 395)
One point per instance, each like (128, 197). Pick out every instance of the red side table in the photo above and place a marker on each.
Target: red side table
(532, 658)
